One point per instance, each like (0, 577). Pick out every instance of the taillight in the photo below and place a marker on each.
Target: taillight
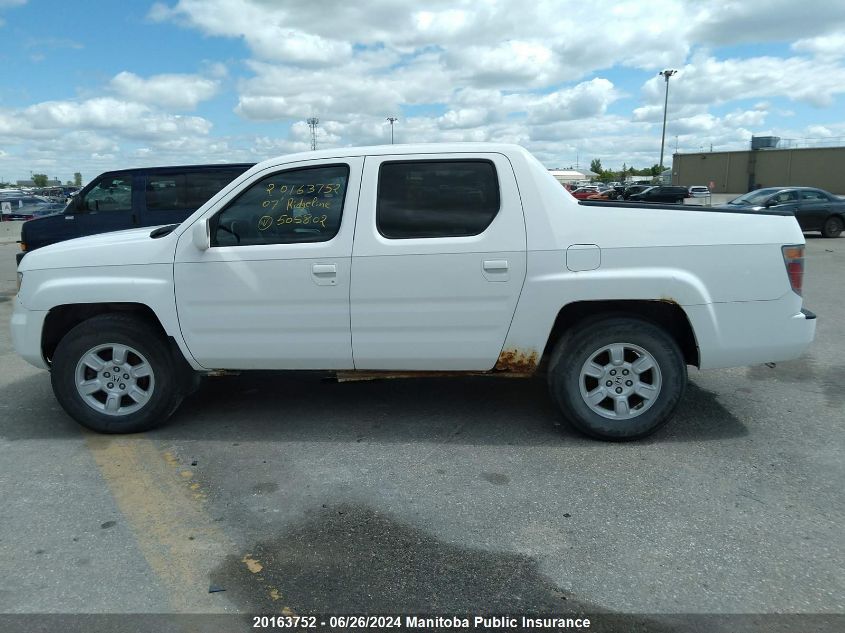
(793, 257)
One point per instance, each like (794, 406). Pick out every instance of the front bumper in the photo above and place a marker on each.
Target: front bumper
(26, 329)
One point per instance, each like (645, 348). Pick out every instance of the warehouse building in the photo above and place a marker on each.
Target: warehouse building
(765, 166)
(571, 176)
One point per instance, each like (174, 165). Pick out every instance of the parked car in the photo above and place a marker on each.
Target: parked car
(661, 194)
(607, 194)
(22, 207)
(630, 190)
(125, 199)
(582, 193)
(620, 191)
(815, 209)
(400, 261)
(698, 191)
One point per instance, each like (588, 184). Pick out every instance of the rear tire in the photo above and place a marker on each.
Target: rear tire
(114, 373)
(833, 226)
(620, 378)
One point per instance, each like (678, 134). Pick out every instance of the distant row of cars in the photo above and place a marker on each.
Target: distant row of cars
(19, 205)
(640, 193)
(815, 209)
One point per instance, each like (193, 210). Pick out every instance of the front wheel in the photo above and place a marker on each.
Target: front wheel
(114, 374)
(617, 379)
(833, 226)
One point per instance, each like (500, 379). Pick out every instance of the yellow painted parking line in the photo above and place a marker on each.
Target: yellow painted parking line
(163, 505)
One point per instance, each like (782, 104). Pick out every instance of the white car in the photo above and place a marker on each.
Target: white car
(413, 261)
(699, 192)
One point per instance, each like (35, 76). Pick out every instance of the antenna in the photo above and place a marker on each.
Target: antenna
(313, 122)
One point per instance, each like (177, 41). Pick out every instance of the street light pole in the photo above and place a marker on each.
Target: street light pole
(666, 74)
(392, 120)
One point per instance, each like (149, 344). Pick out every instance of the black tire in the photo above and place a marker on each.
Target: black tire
(580, 344)
(164, 388)
(833, 226)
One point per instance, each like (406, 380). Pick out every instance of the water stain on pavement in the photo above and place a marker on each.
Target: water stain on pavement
(496, 478)
(265, 488)
(352, 559)
(805, 370)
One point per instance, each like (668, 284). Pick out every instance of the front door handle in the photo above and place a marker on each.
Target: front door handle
(324, 274)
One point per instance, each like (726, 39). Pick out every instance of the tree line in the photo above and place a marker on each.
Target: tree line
(608, 175)
(40, 180)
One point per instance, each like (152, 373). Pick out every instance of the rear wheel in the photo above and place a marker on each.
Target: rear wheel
(114, 374)
(617, 379)
(833, 226)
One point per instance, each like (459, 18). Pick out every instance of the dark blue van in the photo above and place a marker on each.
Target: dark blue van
(129, 198)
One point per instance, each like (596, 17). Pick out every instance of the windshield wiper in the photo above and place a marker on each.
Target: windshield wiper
(163, 230)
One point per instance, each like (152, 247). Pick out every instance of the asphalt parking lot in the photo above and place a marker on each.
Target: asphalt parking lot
(293, 494)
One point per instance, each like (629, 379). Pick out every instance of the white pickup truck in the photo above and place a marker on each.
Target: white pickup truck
(410, 261)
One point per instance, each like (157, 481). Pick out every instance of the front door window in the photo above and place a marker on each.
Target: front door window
(110, 194)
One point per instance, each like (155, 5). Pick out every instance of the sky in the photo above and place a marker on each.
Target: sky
(91, 86)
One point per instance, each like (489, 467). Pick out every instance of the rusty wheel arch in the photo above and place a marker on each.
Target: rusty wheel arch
(664, 312)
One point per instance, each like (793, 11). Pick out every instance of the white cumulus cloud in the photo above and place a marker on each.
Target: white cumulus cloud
(180, 92)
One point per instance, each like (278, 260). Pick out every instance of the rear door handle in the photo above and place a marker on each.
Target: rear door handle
(495, 270)
(496, 265)
(324, 274)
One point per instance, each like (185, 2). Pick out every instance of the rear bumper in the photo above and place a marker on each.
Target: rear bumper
(745, 333)
(26, 329)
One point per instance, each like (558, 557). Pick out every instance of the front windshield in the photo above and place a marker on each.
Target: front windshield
(754, 198)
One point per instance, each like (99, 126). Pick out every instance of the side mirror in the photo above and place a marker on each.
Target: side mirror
(201, 236)
(770, 203)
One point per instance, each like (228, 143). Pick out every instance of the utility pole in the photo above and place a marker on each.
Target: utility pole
(392, 120)
(313, 122)
(666, 74)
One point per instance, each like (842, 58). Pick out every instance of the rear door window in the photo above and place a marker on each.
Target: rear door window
(811, 195)
(165, 192)
(436, 198)
(185, 191)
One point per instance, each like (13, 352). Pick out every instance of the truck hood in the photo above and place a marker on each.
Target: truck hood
(134, 246)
